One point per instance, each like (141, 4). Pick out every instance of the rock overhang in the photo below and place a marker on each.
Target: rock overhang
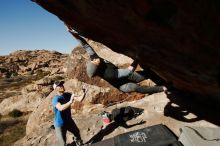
(178, 40)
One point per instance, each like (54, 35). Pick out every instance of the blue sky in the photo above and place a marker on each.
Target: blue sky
(24, 25)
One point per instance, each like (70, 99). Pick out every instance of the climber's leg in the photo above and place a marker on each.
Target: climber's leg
(136, 77)
(123, 73)
(133, 87)
(150, 90)
(128, 87)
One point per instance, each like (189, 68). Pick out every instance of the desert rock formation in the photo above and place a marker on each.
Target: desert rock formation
(26, 78)
(178, 40)
(158, 108)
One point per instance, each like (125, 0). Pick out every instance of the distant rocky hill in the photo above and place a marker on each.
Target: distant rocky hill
(28, 72)
(26, 78)
(21, 67)
(29, 62)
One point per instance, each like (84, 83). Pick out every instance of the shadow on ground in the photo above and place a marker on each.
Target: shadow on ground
(109, 129)
(182, 103)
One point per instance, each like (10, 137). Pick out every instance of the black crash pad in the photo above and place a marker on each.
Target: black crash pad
(157, 135)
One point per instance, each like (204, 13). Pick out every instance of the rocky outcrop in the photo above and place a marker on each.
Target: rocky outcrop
(40, 132)
(179, 40)
(30, 97)
(26, 78)
(30, 62)
(158, 108)
(75, 69)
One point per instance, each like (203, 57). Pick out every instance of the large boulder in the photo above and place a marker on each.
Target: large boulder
(158, 108)
(179, 40)
(30, 97)
(76, 69)
(39, 131)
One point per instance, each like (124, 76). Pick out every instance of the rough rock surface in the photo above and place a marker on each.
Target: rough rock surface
(29, 62)
(173, 109)
(40, 133)
(179, 40)
(31, 96)
(75, 69)
(26, 78)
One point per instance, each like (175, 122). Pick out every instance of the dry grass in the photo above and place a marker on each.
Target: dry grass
(12, 129)
(20, 81)
(12, 86)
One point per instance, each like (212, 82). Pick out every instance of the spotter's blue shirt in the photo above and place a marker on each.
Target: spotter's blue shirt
(61, 117)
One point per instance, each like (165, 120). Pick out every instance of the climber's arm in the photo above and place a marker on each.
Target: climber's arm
(91, 52)
(78, 37)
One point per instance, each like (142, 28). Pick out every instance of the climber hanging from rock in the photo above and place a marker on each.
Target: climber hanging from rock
(125, 80)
